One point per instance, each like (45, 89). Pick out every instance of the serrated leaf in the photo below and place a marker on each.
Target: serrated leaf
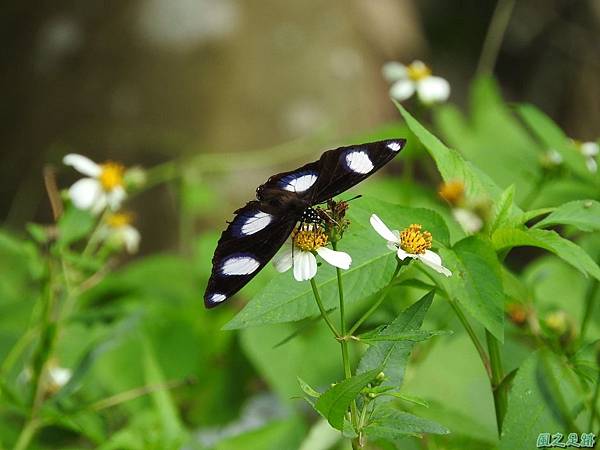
(307, 389)
(506, 238)
(413, 336)
(334, 403)
(476, 282)
(392, 357)
(542, 392)
(388, 423)
(452, 165)
(503, 209)
(553, 138)
(285, 300)
(582, 214)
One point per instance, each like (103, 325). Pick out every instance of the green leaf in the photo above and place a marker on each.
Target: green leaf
(414, 335)
(74, 225)
(285, 300)
(552, 137)
(582, 214)
(545, 392)
(506, 238)
(307, 389)
(476, 282)
(503, 208)
(334, 403)
(388, 423)
(392, 357)
(452, 165)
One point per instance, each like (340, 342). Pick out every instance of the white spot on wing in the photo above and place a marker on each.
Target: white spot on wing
(239, 265)
(358, 161)
(217, 298)
(394, 146)
(255, 223)
(299, 182)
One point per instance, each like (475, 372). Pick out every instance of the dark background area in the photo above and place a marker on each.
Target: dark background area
(146, 81)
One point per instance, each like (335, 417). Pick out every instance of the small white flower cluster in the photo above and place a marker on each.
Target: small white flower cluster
(589, 150)
(415, 78)
(310, 240)
(103, 190)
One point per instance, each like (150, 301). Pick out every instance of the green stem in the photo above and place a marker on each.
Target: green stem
(324, 315)
(343, 341)
(499, 391)
(593, 404)
(494, 36)
(377, 303)
(26, 435)
(589, 307)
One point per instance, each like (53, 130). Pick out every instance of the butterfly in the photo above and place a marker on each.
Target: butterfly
(260, 228)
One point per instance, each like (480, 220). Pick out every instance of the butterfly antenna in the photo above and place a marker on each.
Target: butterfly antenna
(353, 198)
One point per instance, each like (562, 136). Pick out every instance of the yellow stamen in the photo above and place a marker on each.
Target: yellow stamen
(415, 241)
(452, 191)
(111, 175)
(418, 70)
(310, 238)
(119, 220)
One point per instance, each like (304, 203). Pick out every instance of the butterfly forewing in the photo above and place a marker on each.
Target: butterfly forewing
(345, 167)
(261, 227)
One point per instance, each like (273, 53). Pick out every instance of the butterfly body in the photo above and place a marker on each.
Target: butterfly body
(263, 225)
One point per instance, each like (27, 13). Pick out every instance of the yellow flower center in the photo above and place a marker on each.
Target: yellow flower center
(310, 238)
(452, 191)
(418, 70)
(415, 241)
(119, 220)
(111, 175)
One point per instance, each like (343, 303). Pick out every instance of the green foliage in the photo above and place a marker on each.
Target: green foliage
(144, 367)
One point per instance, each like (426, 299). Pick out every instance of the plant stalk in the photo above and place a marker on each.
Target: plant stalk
(495, 36)
(498, 390)
(324, 315)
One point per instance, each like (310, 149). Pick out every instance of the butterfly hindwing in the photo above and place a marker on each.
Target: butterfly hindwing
(245, 247)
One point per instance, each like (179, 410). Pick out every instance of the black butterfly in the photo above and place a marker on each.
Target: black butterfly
(261, 227)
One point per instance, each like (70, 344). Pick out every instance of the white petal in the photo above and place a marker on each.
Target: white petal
(115, 197)
(305, 265)
(82, 164)
(402, 89)
(283, 262)
(394, 71)
(131, 238)
(402, 255)
(434, 261)
(382, 229)
(591, 164)
(59, 375)
(335, 258)
(468, 220)
(99, 204)
(590, 148)
(85, 193)
(393, 246)
(433, 89)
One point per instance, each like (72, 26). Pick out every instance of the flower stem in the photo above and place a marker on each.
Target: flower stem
(593, 403)
(589, 307)
(324, 315)
(377, 303)
(498, 390)
(494, 36)
(476, 342)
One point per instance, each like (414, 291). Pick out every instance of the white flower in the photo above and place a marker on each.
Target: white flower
(415, 78)
(410, 243)
(59, 376)
(469, 221)
(102, 187)
(590, 151)
(308, 240)
(118, 231)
